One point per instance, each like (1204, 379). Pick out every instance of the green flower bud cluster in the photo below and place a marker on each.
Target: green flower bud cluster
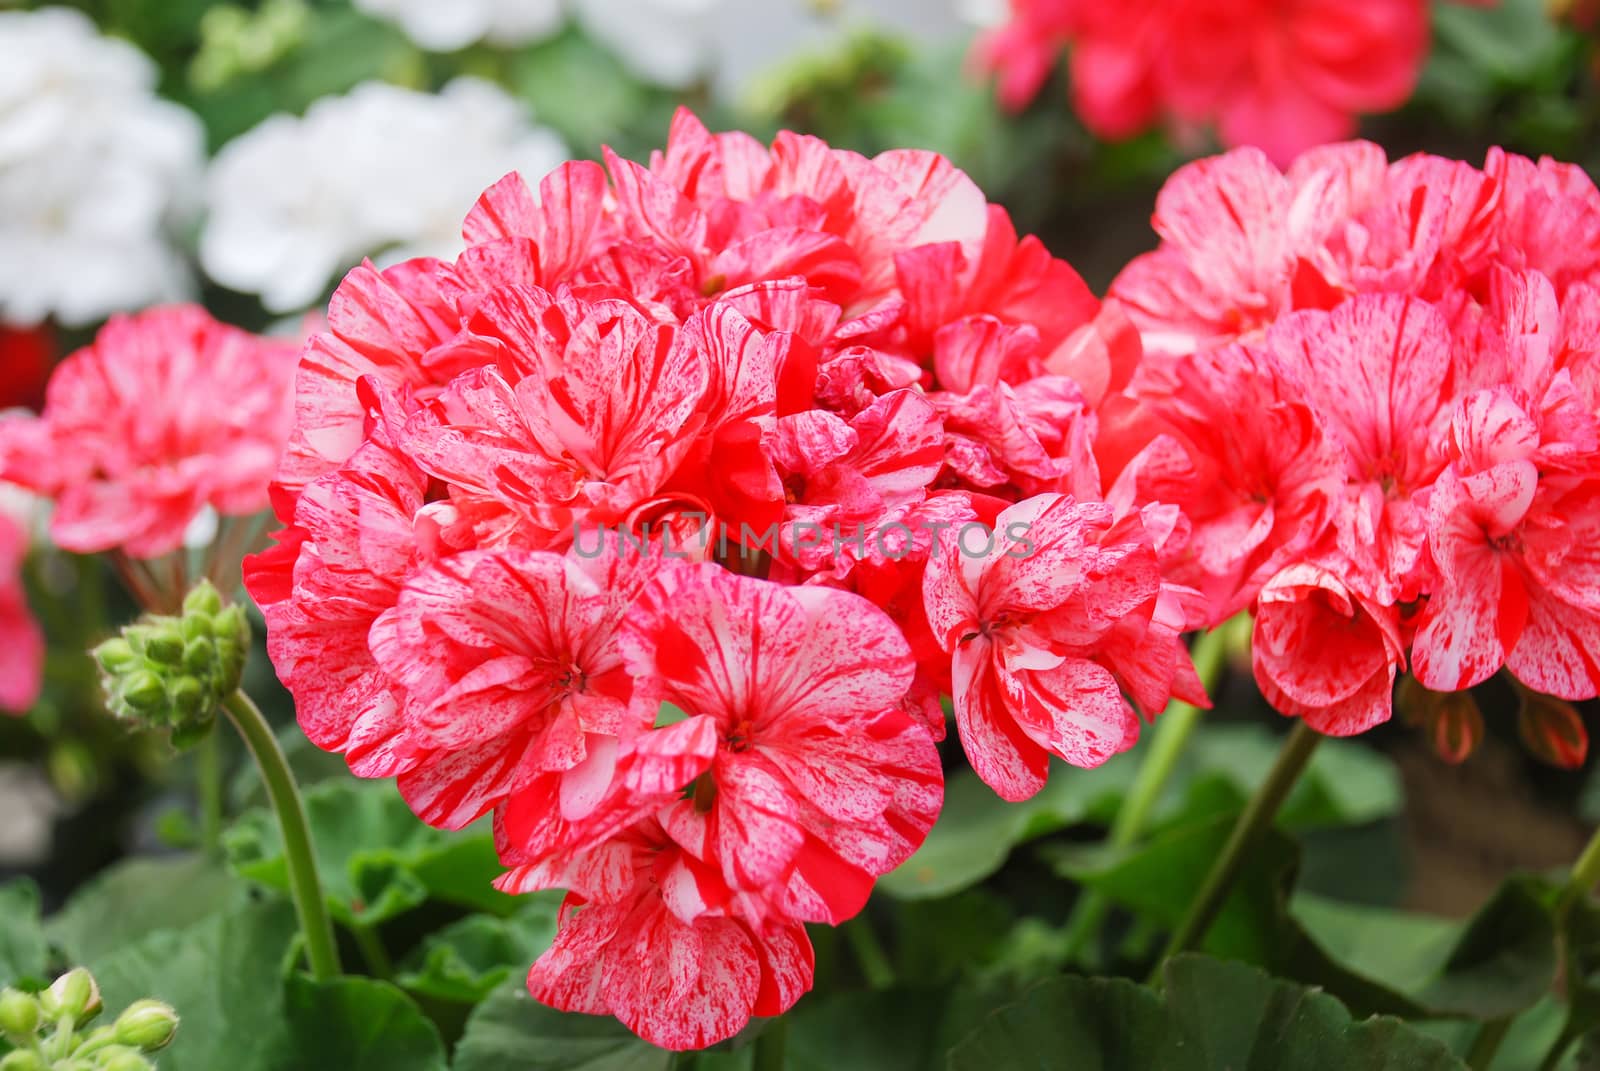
(236, 41)
(174, 672)
(46, 1030)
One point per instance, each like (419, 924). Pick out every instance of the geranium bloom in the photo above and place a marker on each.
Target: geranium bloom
(1022, 619)
(811, 362)
(1280, 74)
(822, 782)
(21, 643)
(687, 922)
(132, 443)
(506, 666)
(1433, 328)
(678, 975)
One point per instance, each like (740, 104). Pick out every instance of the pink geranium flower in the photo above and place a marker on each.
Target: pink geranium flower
(1283, 75)
(21, 642)
(677, 974)
(821, 782)
(1022, 620)
(133, 444)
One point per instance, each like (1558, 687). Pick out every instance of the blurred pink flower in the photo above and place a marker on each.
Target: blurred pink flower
(21, 643)
(166, 413)
(1283, 75)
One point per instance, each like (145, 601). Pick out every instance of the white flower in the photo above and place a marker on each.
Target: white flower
(94, 172)
(446, 25)
(296, 201)
(661, 41)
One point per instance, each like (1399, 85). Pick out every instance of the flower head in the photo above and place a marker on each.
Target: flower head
(132, 444)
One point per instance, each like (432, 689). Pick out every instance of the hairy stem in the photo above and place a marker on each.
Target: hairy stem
(304, 887)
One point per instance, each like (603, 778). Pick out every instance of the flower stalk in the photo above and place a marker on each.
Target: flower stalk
(1172, 733)
(305, 888)
(1252, 825)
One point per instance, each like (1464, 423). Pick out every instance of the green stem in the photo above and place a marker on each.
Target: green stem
(208, 786)
(1247, 831)
(771, 1047)
(284, 794)
(1172, 733)
(1487, 1043)
(372, 950)
(869, 953)
(1581, 880)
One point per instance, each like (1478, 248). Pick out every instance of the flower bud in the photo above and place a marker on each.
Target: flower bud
(199, 655)
(147, 1025)
(1452, 720)
(121, 1060)
(174, 672)
(143, 692)
(203, 598)
(22, 1060)
(74, 994)
(19, 1014)
(1552, 729)
(115, 655)
(163, 643)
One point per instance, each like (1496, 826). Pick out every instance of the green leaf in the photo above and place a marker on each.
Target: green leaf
(375, 858)
(357, 1024)
(24, 955)
(470, 958)
(140, 897)
(1346, 784)
(977, 830)
(223, 975)
(512, 1030)
(906, 1028)
(1211, 1015)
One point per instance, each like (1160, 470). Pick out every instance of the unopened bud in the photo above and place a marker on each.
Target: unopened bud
(163, 643)
(122, 1060)
(203, 598)
(1452, 720)
(19, 1014)
(115, 655)
(147, 1025)
(74, 994)
(22, 1060)
(143, 692)
(1552, 729)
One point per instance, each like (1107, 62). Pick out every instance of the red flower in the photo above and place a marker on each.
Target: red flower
(1283, 75)
(1325, 653)
(1022, 618)
(21, 642)
(821, 782)
(25, 357)
(507, 667)
(132, 443)
(677, 974)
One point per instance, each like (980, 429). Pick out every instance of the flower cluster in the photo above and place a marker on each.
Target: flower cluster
(1283, 75)
(97, 171)
(1417, 481)
(167, 414)
(537, 562)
